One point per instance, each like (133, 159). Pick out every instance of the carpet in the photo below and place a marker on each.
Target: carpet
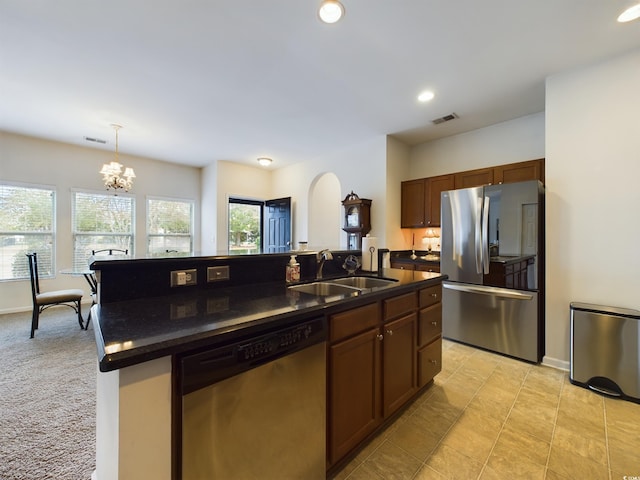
(47, 397)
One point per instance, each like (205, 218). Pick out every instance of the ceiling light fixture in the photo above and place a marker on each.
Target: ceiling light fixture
(111, 171)
(330, 11)
(264, 161)
(426, 96)
(631, 13)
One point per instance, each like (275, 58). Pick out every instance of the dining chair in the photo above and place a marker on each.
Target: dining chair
(42, 300)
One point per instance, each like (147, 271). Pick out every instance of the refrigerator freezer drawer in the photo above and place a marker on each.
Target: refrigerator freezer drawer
(498, 319)
(604, 350)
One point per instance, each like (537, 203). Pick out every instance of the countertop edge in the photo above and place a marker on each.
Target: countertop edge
(114, 361)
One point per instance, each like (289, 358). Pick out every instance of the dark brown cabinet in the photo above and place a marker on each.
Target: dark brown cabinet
(429, 334)
(398, 351)
(372, 367)
(520, 172)
(474, 178)
(413, 203)
(428, 267)
(354, 378)
(420, 202)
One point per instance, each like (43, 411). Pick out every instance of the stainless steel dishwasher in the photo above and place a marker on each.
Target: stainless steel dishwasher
(256, 409)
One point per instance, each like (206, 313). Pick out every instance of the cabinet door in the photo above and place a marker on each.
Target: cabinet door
(429, 324)
(398, 362)
(435, 186)
(413, 203)
(403, 265)
(520, 172)
(429, 362)
(474, 178)
(428, 267)
(354, 392)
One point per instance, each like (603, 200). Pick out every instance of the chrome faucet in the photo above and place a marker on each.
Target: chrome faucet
(322, 256)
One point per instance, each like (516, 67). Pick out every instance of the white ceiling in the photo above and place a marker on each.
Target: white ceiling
(195, 81)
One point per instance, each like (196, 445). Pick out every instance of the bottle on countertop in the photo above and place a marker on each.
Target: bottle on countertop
(293, 270)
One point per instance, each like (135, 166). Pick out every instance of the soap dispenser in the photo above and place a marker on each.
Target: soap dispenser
(293, 270)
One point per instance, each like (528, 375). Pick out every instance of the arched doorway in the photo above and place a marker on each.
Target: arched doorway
(325, 212)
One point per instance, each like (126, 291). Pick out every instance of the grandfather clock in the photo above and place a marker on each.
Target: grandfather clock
(357, 219)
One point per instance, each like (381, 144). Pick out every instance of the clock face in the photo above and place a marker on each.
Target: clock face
(353, 217)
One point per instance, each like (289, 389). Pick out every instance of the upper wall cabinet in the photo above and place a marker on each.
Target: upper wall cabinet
(421, 198)
(421, 201)
(413, 203)
(474, 178)
(519, 172)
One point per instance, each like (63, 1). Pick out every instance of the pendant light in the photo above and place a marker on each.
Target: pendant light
(111, 172)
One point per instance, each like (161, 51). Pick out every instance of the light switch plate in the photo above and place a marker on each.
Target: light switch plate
(215, 274)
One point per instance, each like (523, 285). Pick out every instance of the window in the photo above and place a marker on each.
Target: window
(245, 226)
(169, 226)
(27, 224)
(101, 221)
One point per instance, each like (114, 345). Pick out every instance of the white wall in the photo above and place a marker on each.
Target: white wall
(361, 168)
(397, 170)
(593, 192)
(507, 142)
(66, 167)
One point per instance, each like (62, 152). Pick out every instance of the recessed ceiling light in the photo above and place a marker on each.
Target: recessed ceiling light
(426, 96)
(630, 14)
(330, 11)
(264, 161)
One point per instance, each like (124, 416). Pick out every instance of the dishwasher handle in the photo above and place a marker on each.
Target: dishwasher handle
(199, 370)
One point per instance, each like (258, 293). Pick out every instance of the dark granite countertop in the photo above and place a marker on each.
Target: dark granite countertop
(129, 332)
(422, 256)
(508, 259)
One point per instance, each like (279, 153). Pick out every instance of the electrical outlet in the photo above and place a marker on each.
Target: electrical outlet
(181, 278)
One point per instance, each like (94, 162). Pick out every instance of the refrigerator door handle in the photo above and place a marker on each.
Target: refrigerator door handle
(478, 236)
(485, 236)
(492, 291)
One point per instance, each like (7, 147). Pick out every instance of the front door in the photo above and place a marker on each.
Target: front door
(277, 225)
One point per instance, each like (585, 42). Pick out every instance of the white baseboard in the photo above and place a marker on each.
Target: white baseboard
(556, 363)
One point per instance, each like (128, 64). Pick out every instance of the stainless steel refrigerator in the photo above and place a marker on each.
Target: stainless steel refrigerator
(492, 252)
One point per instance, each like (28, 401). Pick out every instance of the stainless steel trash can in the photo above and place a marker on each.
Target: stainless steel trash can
(604, 350)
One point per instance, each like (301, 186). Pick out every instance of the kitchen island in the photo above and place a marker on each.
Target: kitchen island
(138, 340)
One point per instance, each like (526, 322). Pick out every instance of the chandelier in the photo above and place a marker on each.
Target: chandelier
(112, 172)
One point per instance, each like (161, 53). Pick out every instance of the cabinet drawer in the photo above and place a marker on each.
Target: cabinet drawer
(430, 295)
(429, 362)
(394, 307)
(428, 267)
(429, 324)
(403, 265)
(353, 321)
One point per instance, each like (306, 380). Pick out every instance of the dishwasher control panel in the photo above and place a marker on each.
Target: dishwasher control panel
(198, 370)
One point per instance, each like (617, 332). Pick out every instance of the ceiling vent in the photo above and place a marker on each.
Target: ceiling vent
(96, 140)
(446, 118)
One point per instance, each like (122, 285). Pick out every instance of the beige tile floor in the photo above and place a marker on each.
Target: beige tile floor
(490, 417)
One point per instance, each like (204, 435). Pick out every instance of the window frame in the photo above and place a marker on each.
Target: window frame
(47, 257)
(190, 235)
(79, 262)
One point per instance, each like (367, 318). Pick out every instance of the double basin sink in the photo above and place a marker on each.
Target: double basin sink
(343, 286)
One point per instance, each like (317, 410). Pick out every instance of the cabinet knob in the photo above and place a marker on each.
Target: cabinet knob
(379, 337)
(435, 362)
(434, 323)
(390, 332)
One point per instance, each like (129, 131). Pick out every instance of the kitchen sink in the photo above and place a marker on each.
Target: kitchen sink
(342, 286)
(363, 282)
(325, 289)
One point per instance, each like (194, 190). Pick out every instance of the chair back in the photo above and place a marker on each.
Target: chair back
(110, 251)
(33, 274)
